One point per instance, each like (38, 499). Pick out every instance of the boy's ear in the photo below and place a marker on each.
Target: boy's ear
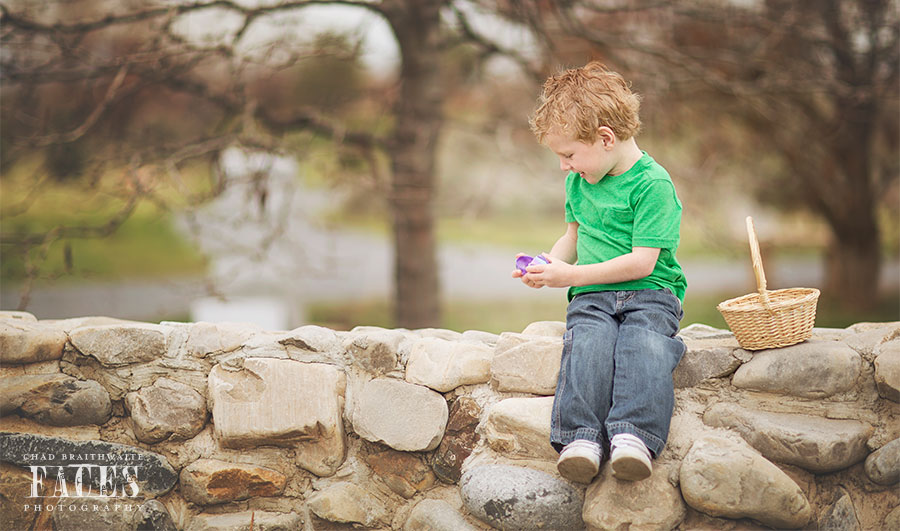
(606, 136)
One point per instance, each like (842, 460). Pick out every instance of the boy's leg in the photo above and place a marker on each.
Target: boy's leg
(647, 352)
(584, 386)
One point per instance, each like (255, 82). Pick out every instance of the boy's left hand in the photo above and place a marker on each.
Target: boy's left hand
(555, 274)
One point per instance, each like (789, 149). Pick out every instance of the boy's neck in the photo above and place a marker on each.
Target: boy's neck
(629, 154)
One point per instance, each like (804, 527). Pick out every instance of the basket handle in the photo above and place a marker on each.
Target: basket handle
(756, 256)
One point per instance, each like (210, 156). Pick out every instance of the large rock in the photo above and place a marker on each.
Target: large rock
(166, 409)
(459, 440)
(708, 357)
(283, 403)
(514, 498)
(817, 444)
(402, 415)
(545, 328)
(435, 515)
(25, 341)
(152, 515)
(374, 349)
(204, 339)
(247, 521)
(402, 472)
(152, 474)
(55, 399)
(812, 369)
(520, 427)
(120, 344)
(95, 513)
(840, 516)
(445, 365)
(721, 477)
(610, 504)
(346, 502)
(211, 481)
(528, 364)
(887, 370)
(883, 465)
(15, 491)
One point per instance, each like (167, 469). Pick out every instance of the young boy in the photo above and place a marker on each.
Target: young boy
(617, 257)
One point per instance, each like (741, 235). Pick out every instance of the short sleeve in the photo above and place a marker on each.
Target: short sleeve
(570, 182)
(657, 216)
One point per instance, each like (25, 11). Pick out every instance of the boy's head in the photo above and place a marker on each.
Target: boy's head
(579, 101)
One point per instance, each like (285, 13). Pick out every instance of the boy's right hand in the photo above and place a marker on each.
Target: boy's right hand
(525, 280)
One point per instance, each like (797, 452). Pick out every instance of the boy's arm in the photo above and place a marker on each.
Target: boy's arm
(635, 265)
(565, 249)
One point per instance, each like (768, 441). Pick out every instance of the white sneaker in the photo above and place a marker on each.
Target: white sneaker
(579, 461)
(630, 458)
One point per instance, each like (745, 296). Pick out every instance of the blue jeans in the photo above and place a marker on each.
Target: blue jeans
(615, 375)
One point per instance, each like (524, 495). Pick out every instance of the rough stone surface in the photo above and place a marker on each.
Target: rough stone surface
(55, 399)
(402, 415)
(247, 521)
(814, 443)
(166, 409)
(283, 403)
(883, 465)
(435, 515)
(375, 350)
(211, 481)
(887, 370)
(721, 477)
(812, 369)
(705, 358)
(15, 489)
(840, 516)
(402, 472)
(205, 339)
(513, 498)
(26, 341)
(445, 365)
(120, 344)
(153, 516)
(102, 514)
(19, 316)
(610, 504)
(347, 502)
(459, 440)
(520, 427)
(529, 366)
(154, 475)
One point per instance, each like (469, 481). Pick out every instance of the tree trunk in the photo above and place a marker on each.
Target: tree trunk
(413, 150)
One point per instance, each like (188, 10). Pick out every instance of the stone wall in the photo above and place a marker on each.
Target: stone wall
(109, 424)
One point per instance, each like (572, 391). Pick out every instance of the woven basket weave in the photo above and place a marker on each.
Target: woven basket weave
(769, 319)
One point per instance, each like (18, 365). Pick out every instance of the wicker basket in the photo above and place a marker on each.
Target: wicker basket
(769, 319)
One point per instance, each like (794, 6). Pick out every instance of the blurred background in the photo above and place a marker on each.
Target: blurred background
(370, 163)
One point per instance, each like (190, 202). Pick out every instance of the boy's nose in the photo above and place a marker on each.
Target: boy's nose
(564, 166)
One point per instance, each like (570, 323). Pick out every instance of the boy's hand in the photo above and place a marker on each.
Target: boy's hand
(526, 279)
(555, 274)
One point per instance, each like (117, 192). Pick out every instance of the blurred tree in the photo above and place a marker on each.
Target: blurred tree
(813, 83)
(122, 70)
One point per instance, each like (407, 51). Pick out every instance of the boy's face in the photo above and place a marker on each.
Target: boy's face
(591, 161)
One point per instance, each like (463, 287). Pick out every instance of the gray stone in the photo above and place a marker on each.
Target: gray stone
(527, 364)
(346, 502)
(211, 481)
(840, 516)
(246, 521)
(651, 504)
(435, 515)
(55, 399)
(883, 465)
(887, 370)
(721, 477)
(815, 443)
(166, 409)
(25, 341)
(812, 369)
(152, 474)
(402, 415)
(153, 516)
(445, 365)
(95, 513)
(120, 344)
(513, 498)
(707, 358)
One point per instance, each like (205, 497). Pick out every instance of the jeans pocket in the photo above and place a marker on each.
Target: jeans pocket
(679, 310)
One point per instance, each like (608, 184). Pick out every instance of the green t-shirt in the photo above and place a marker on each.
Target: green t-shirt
(638, 208)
